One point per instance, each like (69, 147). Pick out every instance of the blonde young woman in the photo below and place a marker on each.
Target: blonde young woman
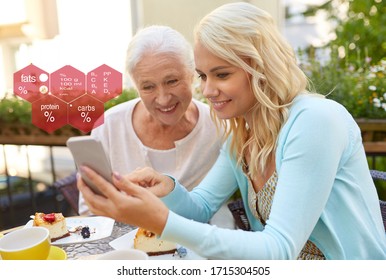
(297, 159)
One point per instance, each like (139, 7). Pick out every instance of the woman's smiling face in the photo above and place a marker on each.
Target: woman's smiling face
(165, 86)
(226, 86)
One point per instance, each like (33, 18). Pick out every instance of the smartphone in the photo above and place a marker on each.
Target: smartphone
(88, 151)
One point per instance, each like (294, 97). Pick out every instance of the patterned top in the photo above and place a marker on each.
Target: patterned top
(260, 204)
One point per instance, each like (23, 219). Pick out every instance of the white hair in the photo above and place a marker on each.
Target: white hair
(158, 39)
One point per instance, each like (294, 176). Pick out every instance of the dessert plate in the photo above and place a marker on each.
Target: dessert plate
(100, 227)
(127, 242)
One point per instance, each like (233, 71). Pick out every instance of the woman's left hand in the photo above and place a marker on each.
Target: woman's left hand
(124, 202)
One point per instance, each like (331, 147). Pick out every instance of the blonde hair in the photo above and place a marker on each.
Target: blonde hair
(247, 37)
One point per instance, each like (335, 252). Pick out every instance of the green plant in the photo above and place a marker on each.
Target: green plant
(359, 86)
(127, 94)
(358, 27)
(361, 30)
(16, 110)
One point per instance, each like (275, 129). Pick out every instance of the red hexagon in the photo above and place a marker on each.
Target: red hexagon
(68, 83)
(104, 83)
(31, 83)
(85, 113)
(49, 113)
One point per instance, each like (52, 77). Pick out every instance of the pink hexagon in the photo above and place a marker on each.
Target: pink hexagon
(68, 83)
(85, 113)
(104, 83)
(49, 113)
(31, 83)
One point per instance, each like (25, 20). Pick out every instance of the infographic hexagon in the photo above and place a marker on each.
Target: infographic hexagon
(49, 113)
(68, 83)
(31, 83)
(104, 83)
(85, 113)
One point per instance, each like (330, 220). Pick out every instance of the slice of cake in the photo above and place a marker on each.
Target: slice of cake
(148, 242)
(54, 222)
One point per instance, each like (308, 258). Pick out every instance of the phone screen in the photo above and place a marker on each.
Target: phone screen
(89, 151)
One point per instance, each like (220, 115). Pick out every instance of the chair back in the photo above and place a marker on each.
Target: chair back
(380, 175)
(383, 212)
(238, 212)
(67, 187)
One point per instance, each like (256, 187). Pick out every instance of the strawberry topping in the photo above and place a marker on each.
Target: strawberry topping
(49, 217)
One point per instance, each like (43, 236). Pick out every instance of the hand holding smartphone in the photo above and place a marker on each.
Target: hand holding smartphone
(89, 151)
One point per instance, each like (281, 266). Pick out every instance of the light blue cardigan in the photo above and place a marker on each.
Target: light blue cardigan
(324, 193)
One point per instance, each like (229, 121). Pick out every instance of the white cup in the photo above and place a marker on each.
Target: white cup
(129, 254)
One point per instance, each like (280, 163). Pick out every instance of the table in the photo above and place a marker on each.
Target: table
(100, 246)
(89, 249)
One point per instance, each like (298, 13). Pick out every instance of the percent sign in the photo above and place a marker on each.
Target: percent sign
(22, 90)
(85, 117)
(49, 116)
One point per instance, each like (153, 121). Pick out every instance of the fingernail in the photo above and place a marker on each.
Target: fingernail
(117, 176)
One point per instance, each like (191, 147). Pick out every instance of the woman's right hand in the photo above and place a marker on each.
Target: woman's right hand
(124, 201)
(158, 183)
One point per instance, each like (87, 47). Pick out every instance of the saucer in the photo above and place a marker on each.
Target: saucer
(57, 253)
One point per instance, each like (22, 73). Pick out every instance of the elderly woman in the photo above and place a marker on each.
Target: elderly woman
(164, 128)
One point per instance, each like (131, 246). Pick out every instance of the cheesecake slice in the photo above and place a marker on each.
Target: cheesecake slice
(148, 242)
(54, 222)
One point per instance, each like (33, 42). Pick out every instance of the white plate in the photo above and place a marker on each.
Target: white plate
(127, 242)
(100, 227)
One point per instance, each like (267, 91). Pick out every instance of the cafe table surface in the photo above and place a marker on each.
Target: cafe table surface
(91, 249)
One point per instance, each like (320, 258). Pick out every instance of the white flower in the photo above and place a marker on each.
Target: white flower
(371, 76)
(373, 88)
(377, 102)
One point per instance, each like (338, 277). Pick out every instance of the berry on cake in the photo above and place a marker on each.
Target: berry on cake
(54, 222)
(148, 242)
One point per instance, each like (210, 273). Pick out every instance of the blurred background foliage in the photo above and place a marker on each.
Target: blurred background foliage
(358, 27)
(353, 71)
